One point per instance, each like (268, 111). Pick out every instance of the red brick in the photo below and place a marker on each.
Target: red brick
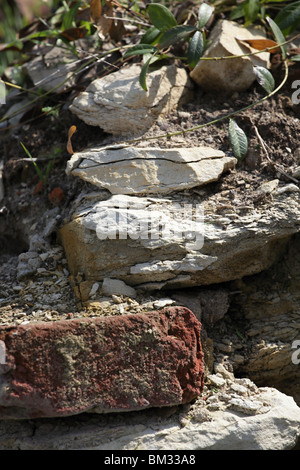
(118, 363)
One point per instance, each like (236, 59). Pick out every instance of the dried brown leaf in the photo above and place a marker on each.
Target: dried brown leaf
(72, 130)
(104, 24)
(117, 29)
(95, 10)
(260, 44)
(74, 33)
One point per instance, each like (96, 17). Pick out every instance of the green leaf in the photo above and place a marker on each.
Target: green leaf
(70, 16)
(278, 35)
(204, 13)
(195, 49)
(295, 58)
(151, 36)
(265, 78)
(238, 140)
(288, 19)
(140, 49)
(251, 10)
(143, 74)
(175, 34)
(161, 17)
(237, 12)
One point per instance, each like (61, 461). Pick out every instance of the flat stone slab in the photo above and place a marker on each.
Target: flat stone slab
(117, 103)
(137, 170)
(153, 243)
(51, 68)
(108, 364)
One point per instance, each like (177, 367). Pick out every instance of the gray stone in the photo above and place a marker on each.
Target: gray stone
(135, 170)
(229, 75)
(272, 425)
(115, 286)
(145, 243)
(117, 103)
(54, 69)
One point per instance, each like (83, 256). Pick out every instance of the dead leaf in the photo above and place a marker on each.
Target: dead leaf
(72, 130)
(56, 196)
(38, 187)
(117, 29)
(74, 33)
(104, 23)
(95, 11)
(261, 44)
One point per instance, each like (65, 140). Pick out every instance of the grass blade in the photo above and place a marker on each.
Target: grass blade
(40, 174)
(278, 35)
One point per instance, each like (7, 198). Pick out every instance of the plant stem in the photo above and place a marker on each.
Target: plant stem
(21, 88)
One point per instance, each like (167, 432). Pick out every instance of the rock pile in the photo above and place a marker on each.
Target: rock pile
(154, 222)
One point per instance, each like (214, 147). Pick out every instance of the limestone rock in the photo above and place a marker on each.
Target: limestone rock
(15, 113)
(135, 170)
(270, 304)
(115, 286)
(108, 364)
(267, 420)
(208, 305)
(229, 75)
(117, 104)
(51, 69)
(149, 243)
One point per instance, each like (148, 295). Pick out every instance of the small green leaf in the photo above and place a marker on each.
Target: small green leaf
(278, 35)
(204, 13)
(161, 17)
(265, 78)
(175, 34)
(195, 49)
(140, 49)
(238, 140)
(151, 36)
(251, 10)
(69, 17)
(295, 58)
(143, 74)
(237, 12)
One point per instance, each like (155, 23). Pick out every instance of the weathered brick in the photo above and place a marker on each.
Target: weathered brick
(117, 363)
